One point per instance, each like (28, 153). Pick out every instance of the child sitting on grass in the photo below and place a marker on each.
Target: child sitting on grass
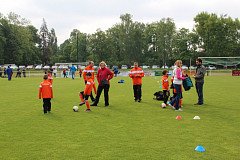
(84, 95)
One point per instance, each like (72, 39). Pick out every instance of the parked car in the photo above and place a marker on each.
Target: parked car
(124, 67)
(54, 67)
(14, 66)
(145, 67)
(38, 67)
(63, 67)
(21, 67)
(173, 67)
(184, 67)
(211, 67)
(30, 67)
(192, 67)
(155, 66)
(166, 67)
(46, 67)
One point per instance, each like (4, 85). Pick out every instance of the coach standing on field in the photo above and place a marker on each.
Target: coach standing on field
(136, 74)
(199, 80)
(103, 76)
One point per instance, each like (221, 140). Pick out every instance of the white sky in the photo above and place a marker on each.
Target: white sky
(89, 15)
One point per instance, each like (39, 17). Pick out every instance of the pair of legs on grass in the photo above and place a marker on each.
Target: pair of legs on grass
(84, 100)
(100, 88)
(46, 105)
(137, 91)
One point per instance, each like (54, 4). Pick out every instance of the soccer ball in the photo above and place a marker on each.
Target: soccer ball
(75, 108)
(163, 105)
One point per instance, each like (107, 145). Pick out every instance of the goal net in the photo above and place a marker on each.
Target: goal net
(221, 61)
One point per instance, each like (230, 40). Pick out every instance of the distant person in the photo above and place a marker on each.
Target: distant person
(136, 74)
(18, 73)
(24, 72)
(9, 72)
(104, 75)
(84, 95)
(73, 70)
(55, 72)
(64, 73)
(89, 69)
(165, 86)
(177, 84)
(46, 93)
(1, 72)
(4, 72)
(80, 72)
(199, 80)
(115, 71)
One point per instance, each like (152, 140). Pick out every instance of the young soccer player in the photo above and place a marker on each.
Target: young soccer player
(165, 86)
(46, 93)
(84, 95)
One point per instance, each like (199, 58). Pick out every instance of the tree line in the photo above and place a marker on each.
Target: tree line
(159, 43)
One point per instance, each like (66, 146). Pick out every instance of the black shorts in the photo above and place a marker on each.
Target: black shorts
(85, 97)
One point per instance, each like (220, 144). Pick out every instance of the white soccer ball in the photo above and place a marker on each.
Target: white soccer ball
(75, 108)
(163, 105)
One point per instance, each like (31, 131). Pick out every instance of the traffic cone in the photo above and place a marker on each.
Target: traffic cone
(178, 118)
(196, 117)
(200, 149)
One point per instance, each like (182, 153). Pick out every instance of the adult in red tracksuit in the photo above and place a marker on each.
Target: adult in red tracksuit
(103, 76)
(46, 93)
(136, 74)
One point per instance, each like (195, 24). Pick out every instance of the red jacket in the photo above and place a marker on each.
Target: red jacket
(104, 74)
(165, 83)
(136, 74)
(45, 90)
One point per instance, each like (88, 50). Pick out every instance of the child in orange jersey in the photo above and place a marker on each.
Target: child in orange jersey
(46, 93)
(136, 74)
(165, 86)
(87, 91)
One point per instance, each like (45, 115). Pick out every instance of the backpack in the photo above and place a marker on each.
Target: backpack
(158, 96)
(187, 83)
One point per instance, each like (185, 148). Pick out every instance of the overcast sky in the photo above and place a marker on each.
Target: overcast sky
(89, 15)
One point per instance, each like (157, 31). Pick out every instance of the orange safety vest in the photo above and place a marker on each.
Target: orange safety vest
(136, 74)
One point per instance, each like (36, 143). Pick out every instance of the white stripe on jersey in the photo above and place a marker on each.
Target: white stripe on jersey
(133, 72)
(88, 70)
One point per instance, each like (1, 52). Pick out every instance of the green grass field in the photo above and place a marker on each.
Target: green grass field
(125, 130)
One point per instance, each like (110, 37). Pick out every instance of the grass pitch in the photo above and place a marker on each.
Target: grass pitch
(124, 130)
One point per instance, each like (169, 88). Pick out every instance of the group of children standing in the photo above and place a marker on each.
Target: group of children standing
(176, 86)
(45, 88)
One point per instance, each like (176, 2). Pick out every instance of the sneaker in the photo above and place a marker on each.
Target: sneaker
(171, 106)
(139, 100)
(88, 110)
(82, 103)
(93, 104)
(135, 100)
(179, 110)
(106, 105)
